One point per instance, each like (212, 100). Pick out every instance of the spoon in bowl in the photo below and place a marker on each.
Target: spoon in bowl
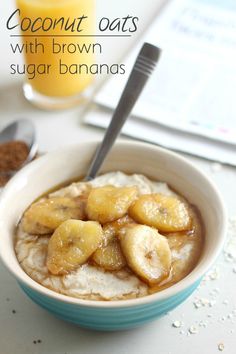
(143, 67)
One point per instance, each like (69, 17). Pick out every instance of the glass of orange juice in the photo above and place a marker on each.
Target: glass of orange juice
(58, 39)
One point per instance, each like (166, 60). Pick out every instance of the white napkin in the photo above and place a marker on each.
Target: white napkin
(169, 138)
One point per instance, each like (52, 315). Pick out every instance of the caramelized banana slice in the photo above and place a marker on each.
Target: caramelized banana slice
(111, 229)
(106, 204)
(110, 257)
(45, 216)
(72, 243)
(186, 247)
(147, 252)
(166, 213)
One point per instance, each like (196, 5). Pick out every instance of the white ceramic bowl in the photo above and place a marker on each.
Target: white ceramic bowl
(131, 157)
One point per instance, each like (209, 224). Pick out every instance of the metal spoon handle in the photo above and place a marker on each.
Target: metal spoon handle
(142, 69)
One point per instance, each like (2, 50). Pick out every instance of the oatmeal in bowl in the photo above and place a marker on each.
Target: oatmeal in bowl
(116, 237)
(118, 251)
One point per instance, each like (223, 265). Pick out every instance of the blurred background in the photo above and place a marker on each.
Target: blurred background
(188, 105)
(14, 106)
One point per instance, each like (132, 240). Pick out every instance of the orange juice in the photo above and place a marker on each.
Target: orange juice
(58, 22)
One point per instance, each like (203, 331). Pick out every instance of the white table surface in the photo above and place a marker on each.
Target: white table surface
(215, 322)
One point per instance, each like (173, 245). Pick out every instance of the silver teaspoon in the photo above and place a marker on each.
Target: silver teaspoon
(143, 67)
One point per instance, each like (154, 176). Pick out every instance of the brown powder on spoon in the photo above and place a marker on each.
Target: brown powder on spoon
(12, 155)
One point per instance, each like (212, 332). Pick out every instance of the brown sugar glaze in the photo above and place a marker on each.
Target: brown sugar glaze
(191, 241)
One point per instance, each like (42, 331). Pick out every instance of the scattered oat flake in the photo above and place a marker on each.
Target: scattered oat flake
(197, 304)
(203, 302)
(177, 324)
(202, 324)
(214, 274)
(221, 347)
(193, 330)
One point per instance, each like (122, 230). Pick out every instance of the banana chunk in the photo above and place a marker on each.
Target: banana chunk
(110, 257)
(72, 243)
(186, 248)
(166, 213)
(147, 253)
(111, 229)
(106, 204)
(45, 216)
